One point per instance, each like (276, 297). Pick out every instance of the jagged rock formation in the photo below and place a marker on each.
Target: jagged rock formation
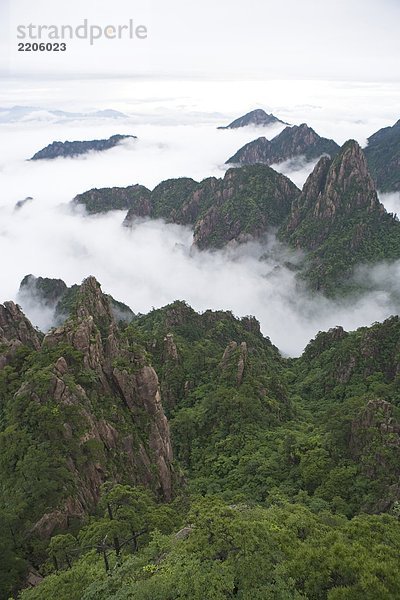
(256, 118)
(16, 331)
(292, 142)
(236, 355)
(339, 219)
(383, 155)
(56, 295)
(241, 206)
(245, 205)
(238, 207)
(71, 149)
(15, 327)
(89, 408)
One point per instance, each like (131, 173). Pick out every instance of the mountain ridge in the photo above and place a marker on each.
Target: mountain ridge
(77, 148)
(293, 142)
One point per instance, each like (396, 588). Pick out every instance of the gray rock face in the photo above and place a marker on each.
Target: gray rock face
(335, 188)
(71, 149)
(16, 328)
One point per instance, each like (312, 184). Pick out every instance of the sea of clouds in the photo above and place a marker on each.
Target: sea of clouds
(154, 263)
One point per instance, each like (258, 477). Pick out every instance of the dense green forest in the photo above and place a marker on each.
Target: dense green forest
(257, 477)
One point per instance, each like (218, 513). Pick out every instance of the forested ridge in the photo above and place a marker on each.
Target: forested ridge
(179, 455)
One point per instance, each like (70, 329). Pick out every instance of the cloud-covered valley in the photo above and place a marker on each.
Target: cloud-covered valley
(154, 263)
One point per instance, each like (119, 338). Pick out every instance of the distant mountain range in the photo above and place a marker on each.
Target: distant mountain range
(382, 150)
(26, 113)
(71, 149)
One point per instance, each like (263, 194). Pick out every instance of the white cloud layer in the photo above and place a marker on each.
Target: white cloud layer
(177, 136)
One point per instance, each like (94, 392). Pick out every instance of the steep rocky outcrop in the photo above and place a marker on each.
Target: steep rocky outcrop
(56, 295)
(255, 118)
(15, 331)
(14, 326)
(292, 142)
(235, 356)
(246, 204)
(383, 155)
(108, 422)
(71, 149)
(339, 219)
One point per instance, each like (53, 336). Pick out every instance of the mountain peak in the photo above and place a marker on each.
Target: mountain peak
(383, 154)
(292, 142)
(339, 219)
(91, 301)
(256, 118)
(349, 182)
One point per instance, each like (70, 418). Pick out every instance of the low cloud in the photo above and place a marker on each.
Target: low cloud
(155, 264)
(391, 202)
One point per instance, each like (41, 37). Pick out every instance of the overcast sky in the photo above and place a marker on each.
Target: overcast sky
(342, 39)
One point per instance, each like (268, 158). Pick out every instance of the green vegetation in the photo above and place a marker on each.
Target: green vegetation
(298, 141)
(105, 199)
(340, 223)
(383, 155)
(287, 469)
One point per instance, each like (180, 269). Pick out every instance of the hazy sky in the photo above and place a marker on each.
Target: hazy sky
(340, 39)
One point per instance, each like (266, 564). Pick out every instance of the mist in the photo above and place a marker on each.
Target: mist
(154, 263)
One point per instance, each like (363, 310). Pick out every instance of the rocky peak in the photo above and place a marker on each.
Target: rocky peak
(46, 291)
(256, 118)
(15, 327)
(292, 142)
(349, 185)
(257, 151)
(336, 188)
(323, 341)
(92, 302)
(234, 356)
(92, 359)
(338, 217)
(383, 155)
